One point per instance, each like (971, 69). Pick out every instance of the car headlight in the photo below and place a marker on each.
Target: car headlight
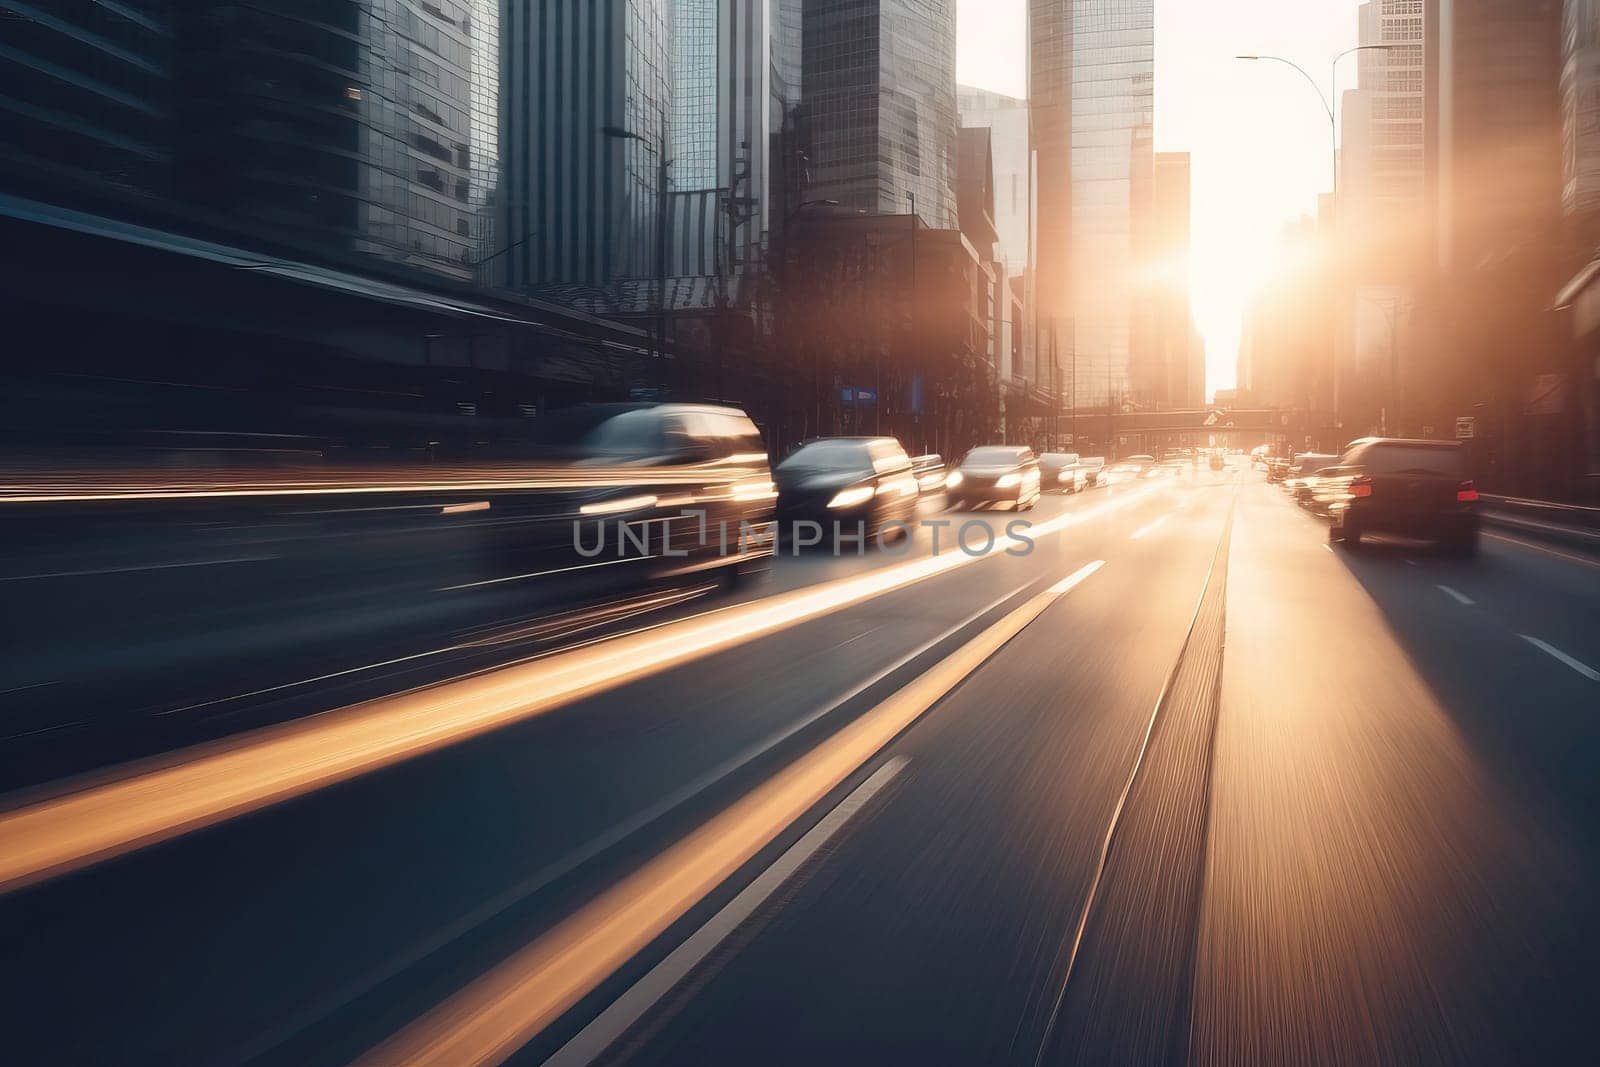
(953, 479)
(849, 498)
(1007, 481)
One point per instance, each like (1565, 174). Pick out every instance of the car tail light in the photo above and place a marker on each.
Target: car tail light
(1465, 493)
(1361, 487)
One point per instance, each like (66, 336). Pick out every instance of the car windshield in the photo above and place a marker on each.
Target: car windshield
(828, 455)
(992, 457)
(1413, 459)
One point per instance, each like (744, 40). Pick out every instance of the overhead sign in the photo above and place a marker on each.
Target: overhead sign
(1466, 428)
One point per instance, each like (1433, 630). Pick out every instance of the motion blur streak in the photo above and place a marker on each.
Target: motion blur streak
(274, 764)
(494, 1016)
(46, 487)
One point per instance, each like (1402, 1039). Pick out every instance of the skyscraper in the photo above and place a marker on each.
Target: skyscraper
(878, 83)
(1092, 102)
(1386, 120)
(1177, 373)
(581, 203)
(1006, 117)
(1498, 157)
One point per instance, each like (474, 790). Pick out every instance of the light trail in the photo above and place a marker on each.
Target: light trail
(495, 1015)
(272, 765)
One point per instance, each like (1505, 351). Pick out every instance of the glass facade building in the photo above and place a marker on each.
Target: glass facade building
(358, 130)
(438, 140)
(1093, 71)
(879, 92)
(694, 94)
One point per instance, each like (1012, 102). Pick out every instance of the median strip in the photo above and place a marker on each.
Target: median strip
(499, 1012)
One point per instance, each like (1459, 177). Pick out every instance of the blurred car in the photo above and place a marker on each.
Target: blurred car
(1277, 468)
(930, 473)
(636, 468)
(1306, 487)
(860, 483)
(1304, 466)
(1092, 467)
(994, 475)
(1060, 472)
(1324, 489)
(1409, 488)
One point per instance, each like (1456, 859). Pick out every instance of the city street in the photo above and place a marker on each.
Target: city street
(1183, 783)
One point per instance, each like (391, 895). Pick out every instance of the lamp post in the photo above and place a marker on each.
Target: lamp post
(1329, 104)
(663, 165)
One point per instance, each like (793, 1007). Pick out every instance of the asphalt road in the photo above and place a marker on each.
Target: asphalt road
(1180, 784)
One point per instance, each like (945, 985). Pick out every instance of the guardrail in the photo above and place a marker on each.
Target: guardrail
(1567, 524)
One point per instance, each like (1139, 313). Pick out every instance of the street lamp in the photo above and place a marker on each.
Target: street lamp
(1330, 103)
(622, 133)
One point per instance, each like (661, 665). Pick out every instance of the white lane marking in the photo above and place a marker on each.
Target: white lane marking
(1122, 800)
(1411, 563)
(1458, 597)
(612, 836)
(498, 1012)
(1327, 546)
(592, 1041)
(1149, 527)
(1544, 646)
(1073, 580)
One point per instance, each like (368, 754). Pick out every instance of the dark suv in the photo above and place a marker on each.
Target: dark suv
(1410, 488)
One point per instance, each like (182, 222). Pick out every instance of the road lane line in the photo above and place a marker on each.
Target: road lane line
(497, 1013)
(274, 764)
(1543, 548)
(1109, 839)
(1149, 528)
(592, 1041)
(1076, 578)
(415, 953)
(1577, 665)
(1458, 597)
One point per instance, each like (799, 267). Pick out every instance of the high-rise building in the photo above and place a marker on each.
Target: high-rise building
(587, 115)
(1497, 160)
(1177, 374)
(1092, 102)
(364, 130)
(1006, 118)
(878, 84)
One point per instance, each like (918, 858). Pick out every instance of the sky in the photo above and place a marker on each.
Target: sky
(1257, 133)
